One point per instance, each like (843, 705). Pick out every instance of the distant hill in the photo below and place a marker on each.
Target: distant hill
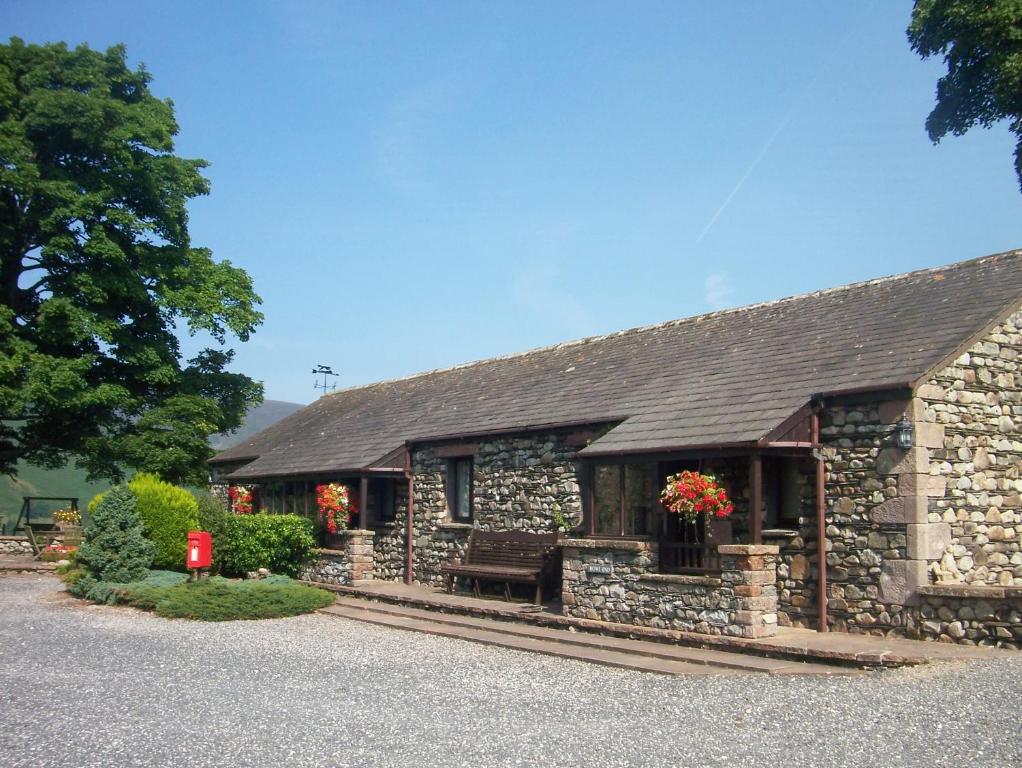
(70, 481)
(258, 419)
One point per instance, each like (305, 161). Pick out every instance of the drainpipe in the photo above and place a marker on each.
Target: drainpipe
(410, 509)
(821, 522)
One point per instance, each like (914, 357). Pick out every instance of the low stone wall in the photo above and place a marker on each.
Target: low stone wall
(608, 580)
(345, 565)
(971, 615)
(15, 545)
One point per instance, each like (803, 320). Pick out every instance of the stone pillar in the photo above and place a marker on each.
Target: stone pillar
(352, 561)
(750, 571)
(358, 547)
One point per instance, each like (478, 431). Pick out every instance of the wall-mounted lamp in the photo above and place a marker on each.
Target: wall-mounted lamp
(903, 433)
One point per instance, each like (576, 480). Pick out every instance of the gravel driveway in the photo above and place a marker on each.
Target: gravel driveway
(96, 686)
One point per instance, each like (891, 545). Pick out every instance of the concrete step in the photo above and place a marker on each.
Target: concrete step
(611, 651)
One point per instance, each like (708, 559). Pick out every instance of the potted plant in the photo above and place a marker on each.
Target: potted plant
(69, 520)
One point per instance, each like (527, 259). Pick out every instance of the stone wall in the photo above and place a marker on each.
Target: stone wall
(15, 545)
(390, 541)
(608, 580)
(879, 539)
(523, 482)
(218, 483)
(972, 615)
(345, 565)
(974, 410)
(331, 566)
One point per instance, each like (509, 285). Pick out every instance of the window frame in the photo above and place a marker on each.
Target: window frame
(622, 496)
(454, 512)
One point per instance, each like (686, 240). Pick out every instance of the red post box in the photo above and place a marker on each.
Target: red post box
(200, 550)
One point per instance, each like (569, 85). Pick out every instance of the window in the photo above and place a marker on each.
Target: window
(459, 489)
(381, 500)
(622, 499)
(783, 481)
(607, 499)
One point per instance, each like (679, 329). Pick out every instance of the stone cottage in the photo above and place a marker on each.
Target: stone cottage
(878, 422)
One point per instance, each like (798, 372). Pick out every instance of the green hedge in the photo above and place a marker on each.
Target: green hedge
(282, 543)
(213, 517)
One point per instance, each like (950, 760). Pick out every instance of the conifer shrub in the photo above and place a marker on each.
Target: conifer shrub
(115, 548)
(281, 543)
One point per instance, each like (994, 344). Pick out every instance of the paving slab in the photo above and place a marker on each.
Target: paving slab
(638, 655)
(839, 648)
(24, 564)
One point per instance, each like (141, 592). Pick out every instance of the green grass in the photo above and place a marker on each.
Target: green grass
(219, 599)
(34, 481)
(70, 481)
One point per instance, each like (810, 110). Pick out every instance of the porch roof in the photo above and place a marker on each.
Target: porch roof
(724, 378)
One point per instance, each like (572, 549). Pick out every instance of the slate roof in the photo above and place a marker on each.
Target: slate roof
(724, 378)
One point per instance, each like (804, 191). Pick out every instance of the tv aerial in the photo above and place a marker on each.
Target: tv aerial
(326, 372)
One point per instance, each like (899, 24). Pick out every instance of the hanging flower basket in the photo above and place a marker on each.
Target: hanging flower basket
(335, 506)
(691, 494)
(240, 499)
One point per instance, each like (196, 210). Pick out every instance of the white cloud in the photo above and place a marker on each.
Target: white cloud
(718, 290)
(540, 286)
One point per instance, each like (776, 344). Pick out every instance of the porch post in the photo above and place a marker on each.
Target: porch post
(363, 499)
(756, 497)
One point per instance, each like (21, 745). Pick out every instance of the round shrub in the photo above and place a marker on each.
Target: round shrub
(282, 543)
(167, 513)
(115, 547)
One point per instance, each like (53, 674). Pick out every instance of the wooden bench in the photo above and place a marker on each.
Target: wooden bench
(507, 556)
(40, 536)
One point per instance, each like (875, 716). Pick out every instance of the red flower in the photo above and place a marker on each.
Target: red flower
(335, 506)
(690, 494)
(240, 498)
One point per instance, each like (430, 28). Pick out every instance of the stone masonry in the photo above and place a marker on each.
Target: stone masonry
(15, 545)
(616, 581)
(880, 541)
(972, 411)
(523, 482)
(962, 613)
(350, 563)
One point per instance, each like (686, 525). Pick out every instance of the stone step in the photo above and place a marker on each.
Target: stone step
(500, 639)
(613, 651)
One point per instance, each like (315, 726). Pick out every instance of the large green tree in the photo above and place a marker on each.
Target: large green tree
(981, 42)
(97, 274)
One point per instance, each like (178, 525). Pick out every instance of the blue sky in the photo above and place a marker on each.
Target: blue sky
(413, 185)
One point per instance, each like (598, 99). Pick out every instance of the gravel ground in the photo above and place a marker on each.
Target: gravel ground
(97, 686)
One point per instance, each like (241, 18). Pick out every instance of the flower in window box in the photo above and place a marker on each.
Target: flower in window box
(335, 506)
(691, 494)
(240, 498)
